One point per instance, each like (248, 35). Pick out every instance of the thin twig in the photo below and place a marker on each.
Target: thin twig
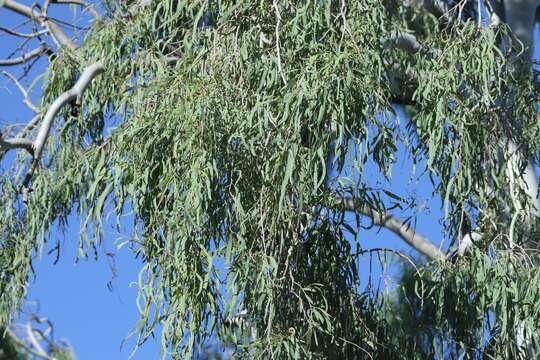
(398, 253)
(23, 35)
(26, 100)
(29, 127)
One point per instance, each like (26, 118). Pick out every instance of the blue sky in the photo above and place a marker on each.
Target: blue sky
(95, 310)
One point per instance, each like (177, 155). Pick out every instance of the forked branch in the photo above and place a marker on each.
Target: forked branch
(56, 32)
(16, 143)
(36, 147)
(23, 91)
(75, 93)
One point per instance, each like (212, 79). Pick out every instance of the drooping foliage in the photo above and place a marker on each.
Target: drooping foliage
(224, 129)
(490, 307)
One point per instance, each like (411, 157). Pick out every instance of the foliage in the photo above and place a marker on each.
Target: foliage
(230, 159)
(490, 301)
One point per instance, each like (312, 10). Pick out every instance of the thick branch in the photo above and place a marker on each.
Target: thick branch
(16, 143)
(55, 30)
(397, 226)
(75, 93)
(43, 48)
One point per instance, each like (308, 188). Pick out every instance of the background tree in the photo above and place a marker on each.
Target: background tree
(238, 135)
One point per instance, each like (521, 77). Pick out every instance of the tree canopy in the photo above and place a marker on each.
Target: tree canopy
(235, 135)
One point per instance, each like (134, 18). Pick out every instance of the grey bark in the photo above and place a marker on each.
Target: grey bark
(397, 226)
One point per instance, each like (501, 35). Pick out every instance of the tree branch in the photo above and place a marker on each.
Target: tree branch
(75, 93)
(16, 143)
(29, 127)
(496, 11)
(23, 91)
(56, 32)
(397, 226)
(23, 35)
(43, 48)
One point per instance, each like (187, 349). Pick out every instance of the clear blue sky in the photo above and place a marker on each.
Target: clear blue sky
(75, 295)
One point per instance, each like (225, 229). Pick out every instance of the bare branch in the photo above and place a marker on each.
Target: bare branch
(398, 253)
(75, 93)
(397, 226)
(16, 143)
(23, 35)
(56, 32)
(26, 100)
(42, 49)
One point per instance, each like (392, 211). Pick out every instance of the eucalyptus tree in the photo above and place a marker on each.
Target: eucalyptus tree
(236, 135)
